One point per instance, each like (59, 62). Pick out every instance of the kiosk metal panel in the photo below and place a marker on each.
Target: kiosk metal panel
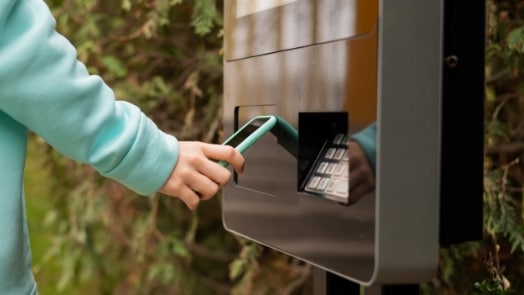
(329, 67)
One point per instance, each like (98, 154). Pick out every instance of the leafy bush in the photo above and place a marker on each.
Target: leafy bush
(165, 56)
(492, 266)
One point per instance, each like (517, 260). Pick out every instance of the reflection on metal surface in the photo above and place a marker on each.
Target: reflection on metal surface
(257, 174)
(321, 56)
(323, 163)
(287, 136)
(342, 240)
(361, 80)
(296, 24)
(327, 39)
(246, 7)
(309, 79)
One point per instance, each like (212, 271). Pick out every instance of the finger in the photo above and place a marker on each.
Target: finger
(225, 153)
(356, 155)
(356, 178)
(355, 161)
(189, 197)
(212, 170)
(203, 186)
(207, 196)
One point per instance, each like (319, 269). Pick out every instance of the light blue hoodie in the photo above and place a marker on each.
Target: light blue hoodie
(367, 139)
(45, 89)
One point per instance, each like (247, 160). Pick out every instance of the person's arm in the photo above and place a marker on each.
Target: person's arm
(44, 87)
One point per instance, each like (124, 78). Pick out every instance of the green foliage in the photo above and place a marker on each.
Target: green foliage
(490, 287)
(158, 56)
(205, 16)
(245, 267)
(164, 55)
(500, 212)
(503, 178)
(492, 266)
(497, 284)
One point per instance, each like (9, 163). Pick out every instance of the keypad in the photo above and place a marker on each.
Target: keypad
(330, 173)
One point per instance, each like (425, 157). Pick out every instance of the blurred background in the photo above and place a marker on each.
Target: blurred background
(90, 235)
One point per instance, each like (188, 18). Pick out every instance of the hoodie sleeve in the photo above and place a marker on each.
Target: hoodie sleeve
(367, 139)
(44, 87)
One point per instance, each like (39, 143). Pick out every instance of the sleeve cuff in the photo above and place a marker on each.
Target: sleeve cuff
(367, 139)
(149, 162)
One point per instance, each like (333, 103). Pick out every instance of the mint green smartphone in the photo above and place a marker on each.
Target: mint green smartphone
(250, 133)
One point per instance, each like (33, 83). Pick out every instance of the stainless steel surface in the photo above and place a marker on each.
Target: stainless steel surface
(293, 24)
(266, 205)
(361, 57)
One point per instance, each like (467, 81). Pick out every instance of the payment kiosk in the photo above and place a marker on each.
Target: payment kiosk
(329, 71)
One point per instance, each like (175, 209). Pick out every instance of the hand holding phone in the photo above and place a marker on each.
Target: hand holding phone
(250, 133)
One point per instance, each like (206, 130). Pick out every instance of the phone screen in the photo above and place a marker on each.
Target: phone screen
(245, 132)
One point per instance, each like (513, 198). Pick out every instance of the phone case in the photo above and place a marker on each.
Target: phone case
(250, 133)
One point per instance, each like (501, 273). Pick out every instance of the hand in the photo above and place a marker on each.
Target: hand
(361, 175)
(196, 175)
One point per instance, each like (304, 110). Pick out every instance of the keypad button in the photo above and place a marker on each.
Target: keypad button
(313, 182)
(338, 138)
(331, 168)
(342, 187)
(323, 183)
(346, 140)
(331, 186)
(339, 153)
(341, 168)
(345, 157)
(329, 153)
(322, 167)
